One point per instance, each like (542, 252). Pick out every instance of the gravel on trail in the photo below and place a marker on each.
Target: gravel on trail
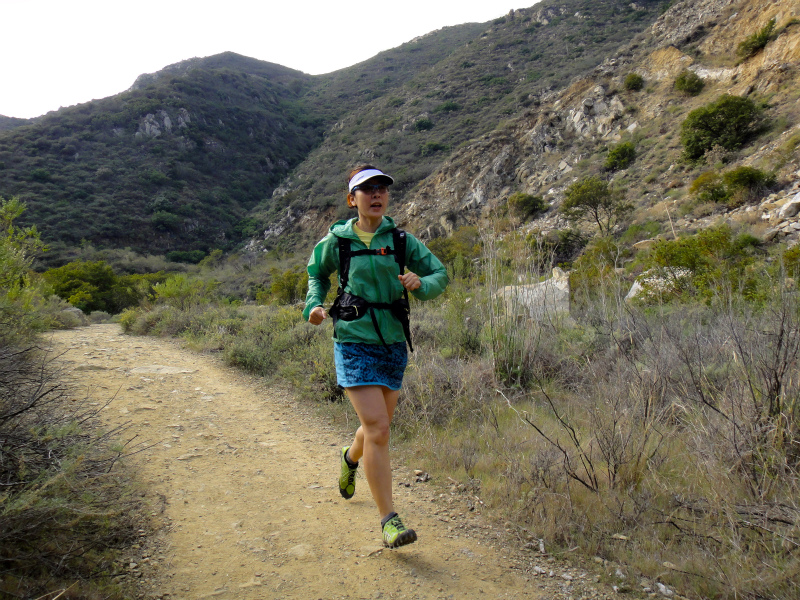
(241, 479)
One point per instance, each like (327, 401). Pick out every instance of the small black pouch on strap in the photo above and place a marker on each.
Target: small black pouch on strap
(348, 307)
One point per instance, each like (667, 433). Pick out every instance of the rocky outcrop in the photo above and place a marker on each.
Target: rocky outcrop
(541, 152)
(153, 125)
(539, 300)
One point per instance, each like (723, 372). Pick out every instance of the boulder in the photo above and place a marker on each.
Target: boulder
(791, 208)
(538, 300)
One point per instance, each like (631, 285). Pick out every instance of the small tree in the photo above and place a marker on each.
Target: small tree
(592, 199)
(728, 122)
(689, 83)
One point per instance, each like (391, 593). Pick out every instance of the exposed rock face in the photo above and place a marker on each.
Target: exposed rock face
(539, 300)
(540, 152)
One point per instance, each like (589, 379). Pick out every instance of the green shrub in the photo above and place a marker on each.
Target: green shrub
(689, 82)
(757, 41)
(186, 256)
(621, 156)
(747, 178)
(464, 244)
(712, 263)
(449, 106)
(728, 122)
(431, 148)
(288, 287)
(633, 82)
(163, 220)
(423, 124)
(708, 187)
(524, 206)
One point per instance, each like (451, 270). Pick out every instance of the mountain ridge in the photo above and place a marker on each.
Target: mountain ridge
(221, 151)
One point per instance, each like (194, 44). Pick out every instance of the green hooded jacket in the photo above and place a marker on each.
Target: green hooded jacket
(373, 277)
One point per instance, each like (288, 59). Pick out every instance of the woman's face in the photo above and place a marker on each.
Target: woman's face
(371, 199)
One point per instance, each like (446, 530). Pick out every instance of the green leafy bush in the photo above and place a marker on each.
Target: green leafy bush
(423, 124)
(430, 148)
(621, 156)
(747, 178)
(186, 256)
(524, 206)
(287, 287)
(710, 263)
(633, 82)
(94, 286)
(728, 122)
(449, 106)
(163, 220)
(734, 188)
(689, 82)
(757, 41)
(708, 187)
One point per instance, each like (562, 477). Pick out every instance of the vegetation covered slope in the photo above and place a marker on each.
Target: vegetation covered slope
(174, 163)
(178, 162)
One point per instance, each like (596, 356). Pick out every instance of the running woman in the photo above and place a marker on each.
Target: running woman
(371, 327)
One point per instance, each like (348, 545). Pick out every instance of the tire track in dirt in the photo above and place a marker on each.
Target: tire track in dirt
(245, 479)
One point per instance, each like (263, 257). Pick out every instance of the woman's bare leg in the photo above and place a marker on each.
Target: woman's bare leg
(375, 408)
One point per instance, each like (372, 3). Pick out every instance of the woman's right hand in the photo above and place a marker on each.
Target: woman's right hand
(317, 315)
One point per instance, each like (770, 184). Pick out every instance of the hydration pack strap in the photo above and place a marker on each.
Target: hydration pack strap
(400, 309)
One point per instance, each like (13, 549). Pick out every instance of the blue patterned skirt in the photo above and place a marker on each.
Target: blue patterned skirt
(370, 364)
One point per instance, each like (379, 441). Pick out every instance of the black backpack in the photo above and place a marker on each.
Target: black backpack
(349, 307)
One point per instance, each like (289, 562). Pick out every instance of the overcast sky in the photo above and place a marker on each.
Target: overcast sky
(57, 53)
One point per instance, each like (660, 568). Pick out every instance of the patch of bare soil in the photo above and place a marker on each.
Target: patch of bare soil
(243, 482)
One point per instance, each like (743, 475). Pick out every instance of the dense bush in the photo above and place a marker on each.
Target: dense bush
(689, 82)
(757, 41)
(734, 188)
(94, 286)
(524, 206)
(633, 82)
(708, 265)
(728, 122)
(708, 187)
(621, 156)
(423, 124)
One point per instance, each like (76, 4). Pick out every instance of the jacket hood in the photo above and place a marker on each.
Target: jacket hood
(344, 228)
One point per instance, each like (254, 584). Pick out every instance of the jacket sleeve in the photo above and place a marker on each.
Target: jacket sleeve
(323, 263)
(432, 273)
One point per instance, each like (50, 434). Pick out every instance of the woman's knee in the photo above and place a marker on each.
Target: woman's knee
(377, 432)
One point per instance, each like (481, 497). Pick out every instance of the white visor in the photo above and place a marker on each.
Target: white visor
(366, 174)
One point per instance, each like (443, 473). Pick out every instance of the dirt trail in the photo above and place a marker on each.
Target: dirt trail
(245, 479)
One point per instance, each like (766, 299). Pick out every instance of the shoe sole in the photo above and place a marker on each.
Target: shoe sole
(409, 536)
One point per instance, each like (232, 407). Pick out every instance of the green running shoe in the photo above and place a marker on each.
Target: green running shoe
(347, 477)
(395, 534)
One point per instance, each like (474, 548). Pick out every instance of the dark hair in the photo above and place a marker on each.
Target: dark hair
(358, 169)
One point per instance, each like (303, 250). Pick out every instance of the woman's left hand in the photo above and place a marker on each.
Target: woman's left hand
(410, 281)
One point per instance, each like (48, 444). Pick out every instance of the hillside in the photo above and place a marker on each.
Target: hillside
(569, 137)
(507, 69)
(208, 152)
(173, 164)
